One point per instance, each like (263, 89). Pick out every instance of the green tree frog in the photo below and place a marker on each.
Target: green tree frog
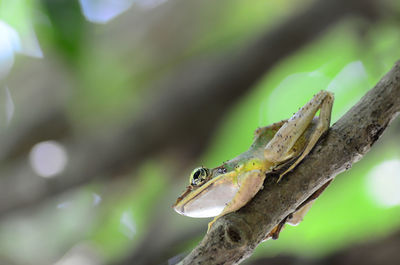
(218, 191)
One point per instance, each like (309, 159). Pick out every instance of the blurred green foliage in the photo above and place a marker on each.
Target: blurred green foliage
(135, 203)
(68, 27)
(348, 60)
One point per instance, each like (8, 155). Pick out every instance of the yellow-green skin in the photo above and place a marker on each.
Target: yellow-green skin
(233, 171)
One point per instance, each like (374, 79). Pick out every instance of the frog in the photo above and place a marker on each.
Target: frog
(215, 192)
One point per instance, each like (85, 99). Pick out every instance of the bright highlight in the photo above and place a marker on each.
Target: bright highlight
(384, 183)
(48, 158)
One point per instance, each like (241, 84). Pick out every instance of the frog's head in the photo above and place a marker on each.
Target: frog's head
(207, 194)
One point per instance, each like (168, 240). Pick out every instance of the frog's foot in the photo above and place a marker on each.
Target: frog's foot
(274, 234)
(281, 176)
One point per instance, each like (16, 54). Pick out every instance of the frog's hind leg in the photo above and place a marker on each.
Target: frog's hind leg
(278, 149)
(322, 126)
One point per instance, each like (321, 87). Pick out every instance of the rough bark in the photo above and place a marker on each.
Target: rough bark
(379, 252)
(234, 237)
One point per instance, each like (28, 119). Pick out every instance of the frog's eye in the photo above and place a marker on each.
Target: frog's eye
(198, 176)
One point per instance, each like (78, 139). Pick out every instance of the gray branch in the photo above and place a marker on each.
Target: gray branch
(235, 236)
(382, 251)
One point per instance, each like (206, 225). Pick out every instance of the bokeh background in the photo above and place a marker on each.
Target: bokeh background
(75, 73)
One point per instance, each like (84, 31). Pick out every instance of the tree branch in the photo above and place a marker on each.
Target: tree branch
(235, 236)
(383, 251)
(212, 86)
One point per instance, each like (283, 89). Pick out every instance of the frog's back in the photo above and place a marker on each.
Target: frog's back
(256, 151)
(261, 138)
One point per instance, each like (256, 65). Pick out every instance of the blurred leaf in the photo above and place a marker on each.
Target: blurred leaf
(114, 234)
(107, 90)
(68, 26)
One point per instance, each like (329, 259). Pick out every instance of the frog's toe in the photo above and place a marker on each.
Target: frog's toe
(210, 224)
(280, 177)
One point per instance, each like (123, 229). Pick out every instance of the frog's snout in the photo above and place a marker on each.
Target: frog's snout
(179, 209)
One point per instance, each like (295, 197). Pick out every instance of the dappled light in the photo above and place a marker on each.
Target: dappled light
(82, 254)
(64, 205)
(128, 226)
(104, 10)
(48, 159)
(348, 85)
(9, 44)
(96, 199)
(290, 92)
(351, 80)
(383, 183)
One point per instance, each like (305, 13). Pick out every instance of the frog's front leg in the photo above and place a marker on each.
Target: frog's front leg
(278, 149)
(249, 184)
